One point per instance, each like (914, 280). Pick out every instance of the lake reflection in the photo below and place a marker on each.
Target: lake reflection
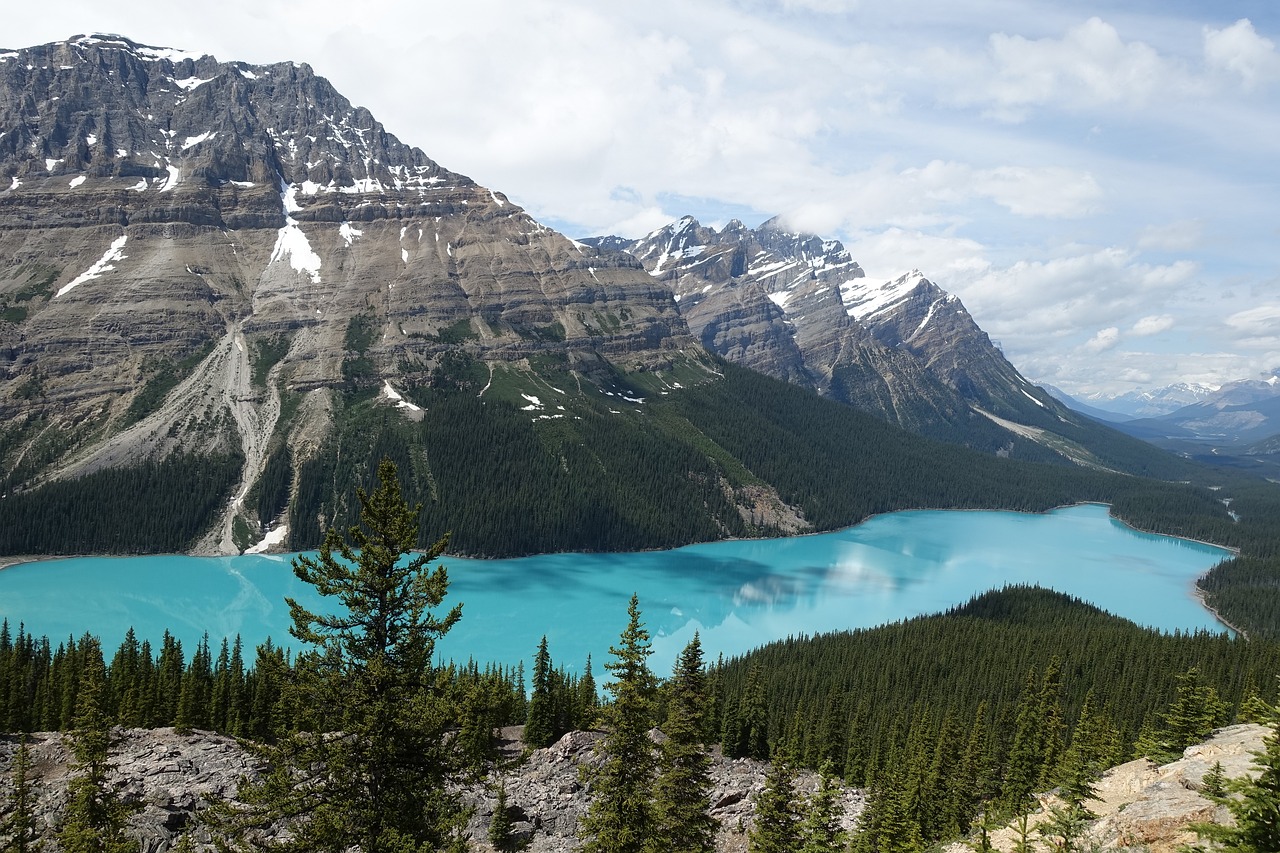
(737, 594)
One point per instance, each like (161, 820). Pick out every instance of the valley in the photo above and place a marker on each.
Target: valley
(231, 301)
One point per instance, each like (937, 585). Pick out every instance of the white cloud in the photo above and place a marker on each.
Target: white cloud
(1089, 65)
(1053, 191)
(1240, 50)
(1257, 325)
(1104, 340)
(1153, 325)
(888, 254)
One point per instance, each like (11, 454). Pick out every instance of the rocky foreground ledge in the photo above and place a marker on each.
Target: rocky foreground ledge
(171, 776)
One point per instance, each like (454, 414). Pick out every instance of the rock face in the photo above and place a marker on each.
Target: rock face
(170, 777)
(162, 210)
(167, 777)
(799, 308)
(1147, 807)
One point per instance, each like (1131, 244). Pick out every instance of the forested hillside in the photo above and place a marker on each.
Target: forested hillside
(599, 474)
(1019, 690)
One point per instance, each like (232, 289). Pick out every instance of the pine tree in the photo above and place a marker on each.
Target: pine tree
(1022, 771)
(777, 827)
(682, 794)
(981, 842)
(620, 817)
(539, 724)
(1194, 713)
(754, 713)
(94, 820)
(889, 825)
(475, 734)
(821, 831)
(1214, 782)
(126, 681)
(1022, 833)
(1066, 826)
(20, 829)
(168, 683)
(1052, 727)
(196, 693)
(586, 701)
(500, 824)
(375, 776)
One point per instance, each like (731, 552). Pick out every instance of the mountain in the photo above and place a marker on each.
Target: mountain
(185, 239)
(1237, 414)
(1152, 402)
(799, 308)
(226, 292)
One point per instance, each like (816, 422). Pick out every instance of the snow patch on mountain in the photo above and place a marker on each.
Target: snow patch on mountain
(349, 233)
(864, 300)
(104, 264)
(292, 243)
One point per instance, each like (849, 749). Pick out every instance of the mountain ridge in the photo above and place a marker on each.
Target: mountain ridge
(233, 260)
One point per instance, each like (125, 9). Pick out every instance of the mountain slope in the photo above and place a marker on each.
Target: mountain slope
(183, 240)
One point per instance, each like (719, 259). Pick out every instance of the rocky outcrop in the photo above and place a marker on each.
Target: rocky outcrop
(166, 777)
(1144, 806)
(551, 792)
(170, 777)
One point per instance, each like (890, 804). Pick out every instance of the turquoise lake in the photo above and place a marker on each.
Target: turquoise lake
(738, 594)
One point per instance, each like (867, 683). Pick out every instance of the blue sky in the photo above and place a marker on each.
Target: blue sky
(1097, 181)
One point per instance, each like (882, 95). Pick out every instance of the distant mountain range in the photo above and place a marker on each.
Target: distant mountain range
(1242, 416)
(1145, 403)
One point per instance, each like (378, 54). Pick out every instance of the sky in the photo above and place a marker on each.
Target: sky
(1097, 181)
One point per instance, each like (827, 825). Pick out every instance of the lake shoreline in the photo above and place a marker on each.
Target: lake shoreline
(738, 595)
(7, 562)
(1198, 594)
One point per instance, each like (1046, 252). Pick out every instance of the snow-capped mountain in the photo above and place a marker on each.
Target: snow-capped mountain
(184, 240)
(1152, 402)
(799, 307)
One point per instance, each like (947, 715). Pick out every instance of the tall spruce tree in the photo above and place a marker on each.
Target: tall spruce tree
(95, 818)
(682, 794)
(500, 824)
(375, 775)
(539, 723)
(777, 827)
(586, 703)
(620, 818)
(821, 831)
(20, 828)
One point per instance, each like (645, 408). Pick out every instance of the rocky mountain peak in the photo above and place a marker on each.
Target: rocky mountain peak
(165, 213)
(798, 307)
(107, 107)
